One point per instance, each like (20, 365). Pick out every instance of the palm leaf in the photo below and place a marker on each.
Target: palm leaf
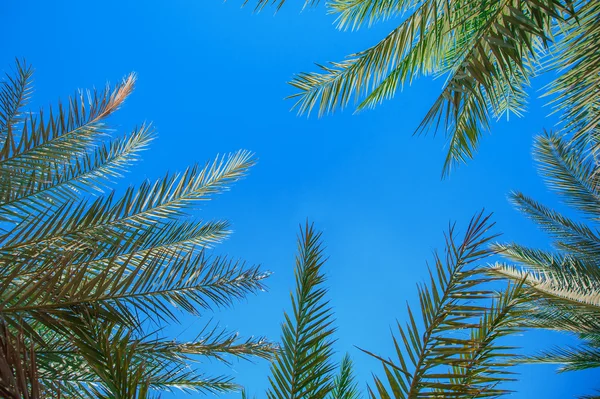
(303, 367)
(453, 351)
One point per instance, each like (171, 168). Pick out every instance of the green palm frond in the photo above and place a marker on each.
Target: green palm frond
(569, 358)
(487, 49)
(570, 235)
(87, 173)
(563, 284)
(84, 270)
(407, 50)
(64, 134)
(303, 366)
(14, 95)
(344, 386)
(451, 351)
(569, 171)
(189, 282)
(66, 366)
(575, 90)
(105, 219)
(354, 13)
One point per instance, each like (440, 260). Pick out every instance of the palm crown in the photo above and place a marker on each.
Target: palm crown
(81, 270)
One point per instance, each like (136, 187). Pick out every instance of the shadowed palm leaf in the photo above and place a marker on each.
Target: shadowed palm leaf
(82, 269)
(452, 351)
(303, 367)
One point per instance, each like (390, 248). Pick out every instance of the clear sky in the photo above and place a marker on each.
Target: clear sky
(212, 79)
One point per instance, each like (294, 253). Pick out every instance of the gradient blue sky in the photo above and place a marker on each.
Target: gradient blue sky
(212, 79)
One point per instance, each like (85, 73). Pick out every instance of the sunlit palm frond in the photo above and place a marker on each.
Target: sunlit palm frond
(354, 13)
(569, 171)
(575, 90)
(569, 234)
(487, 50)
(53, 187)
(414, 48)
(64, 134)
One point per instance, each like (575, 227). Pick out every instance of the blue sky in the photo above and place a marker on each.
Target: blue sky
(212, 79)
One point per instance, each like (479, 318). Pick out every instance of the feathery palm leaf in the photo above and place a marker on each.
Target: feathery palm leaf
(563, 284)
(488, 52)
(303, 367)
(452, 350)
(83, 271)
(344, 386)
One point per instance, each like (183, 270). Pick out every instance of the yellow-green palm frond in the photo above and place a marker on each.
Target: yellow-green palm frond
(488, 51)
(576, 90)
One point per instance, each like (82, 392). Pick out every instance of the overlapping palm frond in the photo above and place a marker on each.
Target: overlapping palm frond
(82, 270)
(487, 50)
(576, 89)
(19, 375)
(452, 350)
(564, 283)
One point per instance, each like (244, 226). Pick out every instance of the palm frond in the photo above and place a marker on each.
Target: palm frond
(488, 50)
(344, 386)
(569, 234)
(108, 219)
(84, 273)
(454, 354)
(19, 375)
(189, 282)
(303, 366)
(14, 95)
(88, 173)
(354, 13)
(569, 171)
(64, 134)
(575, 90)
(408, 50)
(434, 360)
(569, 358)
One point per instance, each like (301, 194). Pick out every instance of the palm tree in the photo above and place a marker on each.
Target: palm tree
(564, 283)
(88, 278)
(452, 350)
(488, 51)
